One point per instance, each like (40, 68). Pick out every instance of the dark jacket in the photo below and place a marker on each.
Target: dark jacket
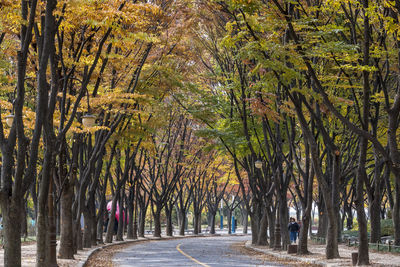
(293, 227)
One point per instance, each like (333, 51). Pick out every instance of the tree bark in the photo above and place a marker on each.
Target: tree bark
(142, 222)
(24, 225)
(183, 223)
(157, 222)
(262, 234)
(66, 250)
(284, 219)
(169, 228)
(12, 235)
(87, 230)
(306, 218)
(42, 220)
(129, 234)
(245, 219)
(396, 214)
(212, 225)
(196, 223)
(271, 226)
(254, 222)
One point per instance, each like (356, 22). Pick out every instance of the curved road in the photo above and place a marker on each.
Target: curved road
(206, 252)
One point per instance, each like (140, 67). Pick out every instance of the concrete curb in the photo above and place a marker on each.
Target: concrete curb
(285, 257)
(83, 263)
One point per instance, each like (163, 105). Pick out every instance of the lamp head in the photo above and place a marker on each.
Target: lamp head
(88, 120)
(258, 164)
(10, 119)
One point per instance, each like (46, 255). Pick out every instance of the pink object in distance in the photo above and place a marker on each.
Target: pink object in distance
(109, 205)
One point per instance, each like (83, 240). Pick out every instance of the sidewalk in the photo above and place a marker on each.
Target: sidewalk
(318, 257)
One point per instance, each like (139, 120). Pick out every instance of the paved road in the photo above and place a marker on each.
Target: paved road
(206, 252)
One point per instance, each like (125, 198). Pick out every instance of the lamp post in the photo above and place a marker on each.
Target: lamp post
(221, 226)
(10, 118)
(88, 120)
(135, 226)
(277, 243)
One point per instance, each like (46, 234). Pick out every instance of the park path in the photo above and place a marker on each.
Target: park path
(206, 252)
(211, 251)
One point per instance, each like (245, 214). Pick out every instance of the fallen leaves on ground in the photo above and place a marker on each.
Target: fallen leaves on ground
(103, 257)
(240, 247)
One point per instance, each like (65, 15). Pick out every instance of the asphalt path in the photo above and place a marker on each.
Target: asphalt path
(204, 251)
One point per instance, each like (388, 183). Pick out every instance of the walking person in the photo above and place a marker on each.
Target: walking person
(293, 228)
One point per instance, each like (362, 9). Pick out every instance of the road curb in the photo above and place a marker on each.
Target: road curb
(84, 262)
(285, 257)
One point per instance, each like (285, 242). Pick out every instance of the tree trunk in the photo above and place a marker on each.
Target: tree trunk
(375, 217)
(169, 228)
(332, 211)
(212, 229)
(179, 214)
(262, 234)
(396, 214)
(78, 236)
(284, 219)
(24, 224)
(306, 219)
(87, 230)
(322, 220)
(245, 219)
(349, 221)
(199, 224)
(100, 230)
(230, 221)
(11, 229)
(51, 233)
(42, 221)
(254, 222)
(271, 226)
(142, 222)
(196, 223)
(363, 254)
(93, 224)
(157, 222)
(183, 223)
(130, 211)
(66, 250)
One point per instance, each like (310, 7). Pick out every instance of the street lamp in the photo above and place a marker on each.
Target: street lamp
(277, 243)
(221, 226)
(258, 164)
(88, 120)
(10, 119)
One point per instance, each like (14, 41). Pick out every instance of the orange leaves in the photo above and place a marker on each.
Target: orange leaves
(265, 106)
